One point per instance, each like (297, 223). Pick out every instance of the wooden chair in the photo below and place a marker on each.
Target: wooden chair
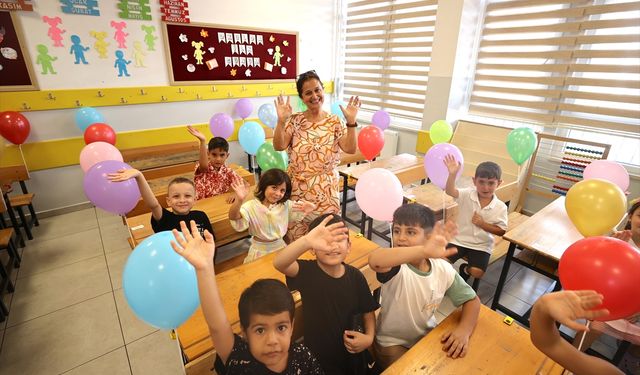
(7, 243)
(17, 202)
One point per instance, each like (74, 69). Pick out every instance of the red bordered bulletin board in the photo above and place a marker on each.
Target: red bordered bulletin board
(203, 53)
(16, 73)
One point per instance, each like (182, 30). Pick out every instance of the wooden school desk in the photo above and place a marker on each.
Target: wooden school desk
(193, 335)
(406, 167)
(494, 348)
(545, 237)
(216, 208)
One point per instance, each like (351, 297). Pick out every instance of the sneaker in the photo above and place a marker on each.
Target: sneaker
(463, 271)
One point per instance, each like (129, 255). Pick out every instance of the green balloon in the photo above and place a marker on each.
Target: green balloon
(300, 104)
(440, 132)
(521, 143)
(269, 158)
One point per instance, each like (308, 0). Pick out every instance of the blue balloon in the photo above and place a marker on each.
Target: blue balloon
(268, 115)
(86, 116)
(251, 136)
(160, 285)
(335, 109)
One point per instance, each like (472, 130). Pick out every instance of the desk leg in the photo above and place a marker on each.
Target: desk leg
(345, 187)
(370, 231)
(503, 275)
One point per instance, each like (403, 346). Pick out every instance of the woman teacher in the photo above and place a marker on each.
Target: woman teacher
(313, 139)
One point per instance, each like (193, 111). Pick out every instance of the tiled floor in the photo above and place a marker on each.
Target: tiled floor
(69, 315)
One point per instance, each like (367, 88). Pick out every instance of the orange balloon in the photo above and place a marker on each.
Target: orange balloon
(595, 206)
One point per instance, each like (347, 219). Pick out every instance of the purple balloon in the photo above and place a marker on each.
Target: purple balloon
(221, 125)
(244, 107)
(381, 119)
(434, 163)
(116, 197)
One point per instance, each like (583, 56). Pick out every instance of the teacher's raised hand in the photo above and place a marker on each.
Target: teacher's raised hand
(351, 111)
(283, 108)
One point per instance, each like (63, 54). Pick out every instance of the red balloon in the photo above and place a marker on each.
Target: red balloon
(607, 265)
(14, 127)
(99, 132)
(370, 141)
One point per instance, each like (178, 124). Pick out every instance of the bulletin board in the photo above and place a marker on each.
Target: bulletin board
(204, 53)
(16, 71)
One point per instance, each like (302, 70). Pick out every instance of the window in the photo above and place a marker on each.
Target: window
(387, 55)
(572, 66)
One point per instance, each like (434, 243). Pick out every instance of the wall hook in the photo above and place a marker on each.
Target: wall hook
(180, 90)
(142, 92)
(123, 100)
(78, 104)
(258, 93)
(270, 87)
(281, 92)
(244, 88)
(26, 106)
(100, 94)
(198, 97)
(229, 94)
(50, 96)
(214, 88)
(163, 98)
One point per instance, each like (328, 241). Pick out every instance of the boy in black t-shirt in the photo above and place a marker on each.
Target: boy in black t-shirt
(334, 296)
(266, 311)
(181, 196)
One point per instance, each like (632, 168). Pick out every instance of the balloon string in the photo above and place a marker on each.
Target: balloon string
(391, 232)
(444, 207)
(24, 162)
(584, 335)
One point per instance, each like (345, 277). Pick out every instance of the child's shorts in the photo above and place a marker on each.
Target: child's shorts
(476, 258)
(259, 249)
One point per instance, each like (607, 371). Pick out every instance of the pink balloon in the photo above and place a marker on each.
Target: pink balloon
(381, 119)
(434, 163)
(96, 152)
(244, 107)
(608, 170)
(116, 197)
(221, 125)
(379, 193)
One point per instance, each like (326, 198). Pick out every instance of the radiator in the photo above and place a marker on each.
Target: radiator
(390, 143)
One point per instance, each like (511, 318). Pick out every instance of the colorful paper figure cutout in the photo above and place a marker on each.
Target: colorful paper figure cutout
(44, 59)
(183, 38)
(138, 54)
(285, 43)
(135, 10)
(120, 36)
(191, 68)
(276, 56)
(247, 72)
(78, 50)
(204, 33)
(149, 38)
(100, 44)
(198, 51)
(211, 64)
(233, 72)
(272, 39)
(9, 53)
(55, 33)
(185, 57)
(121, 64)
(2, 32)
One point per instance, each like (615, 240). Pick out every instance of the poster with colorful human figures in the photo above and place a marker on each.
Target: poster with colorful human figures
(15, 66)
(202, 53)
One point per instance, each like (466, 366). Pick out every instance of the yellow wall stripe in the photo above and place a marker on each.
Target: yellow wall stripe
(64, 152)
(24, 101)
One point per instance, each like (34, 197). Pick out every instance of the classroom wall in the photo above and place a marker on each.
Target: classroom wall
(314, 21)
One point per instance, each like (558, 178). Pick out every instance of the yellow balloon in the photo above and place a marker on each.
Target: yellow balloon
(595, 206)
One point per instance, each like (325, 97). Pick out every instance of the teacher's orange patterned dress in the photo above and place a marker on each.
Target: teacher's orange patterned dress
(314, 154)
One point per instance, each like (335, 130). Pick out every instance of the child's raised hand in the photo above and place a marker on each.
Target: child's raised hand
(196, 133)
(624, 235)
(440, 236)
(240, 188)
(453, 166)
(191, 246)
(455, 343)
(568, 305)
(304, 206)
(283, 108)
(123, 175)
(355, 341)
(324, 237)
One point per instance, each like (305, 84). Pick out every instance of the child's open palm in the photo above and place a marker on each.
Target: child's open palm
(567, 306)
(240, 188)
(453, 166)
(324, 237)
(191, 246)
(123, 175)
(440, 236)
(196, 133)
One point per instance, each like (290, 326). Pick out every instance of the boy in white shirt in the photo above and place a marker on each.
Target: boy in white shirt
(481, 215)
(415, 282)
